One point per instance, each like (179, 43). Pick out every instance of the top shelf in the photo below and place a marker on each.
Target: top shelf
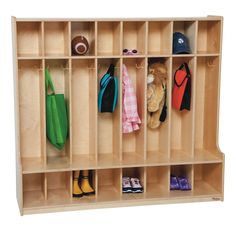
(108, 38)
(210, 17)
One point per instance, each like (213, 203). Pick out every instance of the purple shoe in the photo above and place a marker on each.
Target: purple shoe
(174, 184)
(183, 183)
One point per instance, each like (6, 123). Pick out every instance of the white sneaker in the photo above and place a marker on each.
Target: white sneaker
(126, 185)
(136, 186)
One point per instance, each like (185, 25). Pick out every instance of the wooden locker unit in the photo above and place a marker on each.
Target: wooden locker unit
(185, 144)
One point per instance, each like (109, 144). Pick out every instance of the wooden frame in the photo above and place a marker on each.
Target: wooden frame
(186, 144)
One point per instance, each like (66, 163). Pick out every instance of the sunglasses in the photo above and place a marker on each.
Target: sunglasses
(130, 52)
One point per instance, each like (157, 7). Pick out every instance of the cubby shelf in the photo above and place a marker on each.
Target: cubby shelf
(185, 144)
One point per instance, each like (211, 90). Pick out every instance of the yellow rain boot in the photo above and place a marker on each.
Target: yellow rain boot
(85, 185)
(77, 192)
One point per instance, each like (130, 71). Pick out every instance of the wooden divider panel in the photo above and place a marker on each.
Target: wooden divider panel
(86, 29)
(206, 118)
(59, 71)
(134, 36)
(30, 82)
(133, 143)
(157, 181)
(158, 138)
(159, 37)
(109, 38)
(182, 121)
(29, 39)
(83, 111)
(56, 37)
(58, 187)
(208, 179)
(186, 171)
(109, 184)
(209, 33)
(33, 190)
(108, 123)
(188, 28)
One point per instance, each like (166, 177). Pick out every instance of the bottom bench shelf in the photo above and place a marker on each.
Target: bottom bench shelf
(48, 192)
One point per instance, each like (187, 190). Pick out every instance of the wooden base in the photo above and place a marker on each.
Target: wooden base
(185, 144)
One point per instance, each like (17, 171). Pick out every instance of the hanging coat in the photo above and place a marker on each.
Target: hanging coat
(130, 117)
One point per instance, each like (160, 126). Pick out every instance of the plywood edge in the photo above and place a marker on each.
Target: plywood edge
(125, 19)
(19, 191)
(127, 203)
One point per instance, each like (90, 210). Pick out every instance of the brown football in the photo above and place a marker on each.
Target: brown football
(79, 45)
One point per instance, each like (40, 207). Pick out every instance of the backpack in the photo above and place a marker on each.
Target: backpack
(181, 93)
(108, 94)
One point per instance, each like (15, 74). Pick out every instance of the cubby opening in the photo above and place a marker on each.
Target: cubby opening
(29, 39)
(159, 37)
(109, 124)
(31, 114)
(206, 109)
(157, 139)
(208, 179)
(58, 187)
(84, 107)
(182, 171)
(188, 28)
(182, 121)
(86, 29)
(135, 172)
(56, 38)
(59, 71)
(157, 181)
(92, 179)
(134, 36)
(209, 33)
(133, 143)
(109, 184)
(109, 38)
(33, 190)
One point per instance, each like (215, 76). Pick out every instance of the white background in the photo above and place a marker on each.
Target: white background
(180, 219)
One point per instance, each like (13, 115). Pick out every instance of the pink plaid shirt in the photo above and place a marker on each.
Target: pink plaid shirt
(130, 117)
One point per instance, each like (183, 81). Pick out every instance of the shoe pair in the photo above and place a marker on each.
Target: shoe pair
(131, 185)
(81, 185)
(179, 183)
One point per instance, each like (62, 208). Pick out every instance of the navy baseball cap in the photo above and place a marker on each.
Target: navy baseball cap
(180, 44)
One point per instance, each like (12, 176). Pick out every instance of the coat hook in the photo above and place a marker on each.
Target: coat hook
(210, 63)
(91, 68)
(139, 66)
